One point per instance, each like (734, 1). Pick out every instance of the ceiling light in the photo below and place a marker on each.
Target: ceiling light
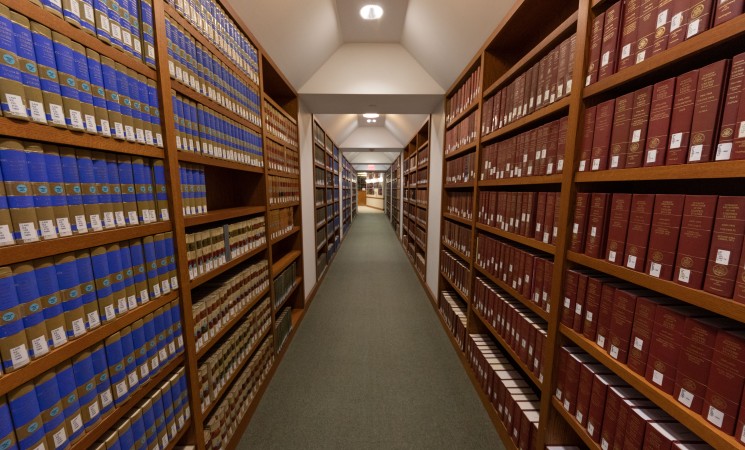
(371, 12)
(371, 115)
(369, 120)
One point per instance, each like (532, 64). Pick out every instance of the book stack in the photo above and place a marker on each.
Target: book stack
(454, 315)
(542, 84)
(281, 158)
(283, 190)
(193, 189)
(523, 331)
(195, 66)
(284, 283)
(215, 304)
(614, 414)
(199, 129)
(530, 214)
(459, 204)
(279, 126)
(537, 152)
(62, 404)
(157, 421)
(692, 118)
(215, 24)
(282, 221)
(229, 413)
(50, 192)
(456, 271)
(523, 269)
(464, 97)
(459, 170)
(512, 397)
(457, 236)
(217, 369)
(78, 88)
(628, 33)
(209, 249)
(283, 327)
(462, 134)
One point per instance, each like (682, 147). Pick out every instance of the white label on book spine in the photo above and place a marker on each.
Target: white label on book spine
(59, 437)
(122, 304)
(715, 416)
(96, 222)
(685, 397)
(63, 225)
(16, 105)
(696, 153)
(6, 236)
(590, 428)
(58, 336)
(657, 377)
(119, 219)
(631, 262)
(578, 309)
(119, 130)
(106, 398)
(37, 111)
(661, 18)
(133, 380)
(174, 282)
(614, 352)
(77, 423)
(606, 59)
(724, 151)
(723, 257)
(588, 316)
(693, 28)
(144, 297)
(48, 231)
(651, 156)
(133, 218)
(601, 341)
(28, 232)
(626, 51)
(638, 343)
(596, 164)
(676, 140)
(78, 327)
(655, 269)
(90, 123)
(582, 165)
(77, 119)
(121, 389)
(636, 135)
(566, 405)
(684, 275)
(579, 416)
(40, 346)
(676, 21)
(604, 445)
(93, 410)
(58, 114)
(109, 310)
(132, 302)
(640, 56)
(108, 220)
(611, 256)
(93, 319)
(144, 371)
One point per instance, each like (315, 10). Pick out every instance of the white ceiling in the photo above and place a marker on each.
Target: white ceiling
(342, 66)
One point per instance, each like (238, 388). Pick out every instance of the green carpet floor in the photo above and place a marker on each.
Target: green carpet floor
(370, 367)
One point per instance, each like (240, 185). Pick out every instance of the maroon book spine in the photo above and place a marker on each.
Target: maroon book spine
(574, 364)
(557, 211)
(663, 237)
(728, 10)
(641, 333)
(667, 340)
(562, 142)
(552, 199)
(682, 115)
(601, 384)
(645, 29)
(571, 284)
(624, 307)
(726, 380)
(640, 222)
(605, 312)
(587, 373)
(627, 46)
(680, 10)
(596, 43)
(602, 134)
(587, 138)
(700, 18)
(616, 396)
(579, 303)
(579, 226)
(548, 160)
(540, 215)
(707, 112)
(619, 141)
(639, 122)
(548, 272)
(638, 421)
(563, 69)
(726, 246)
(553, 74)
(662, 32)
(597, 220)
(659, 123)
(732, 102)
(611, 35)
(617, 227)
(592, 306)
(695, 236)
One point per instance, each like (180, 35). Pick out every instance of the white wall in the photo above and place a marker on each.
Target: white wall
(307, 206)
(434, 209)
(375, 202)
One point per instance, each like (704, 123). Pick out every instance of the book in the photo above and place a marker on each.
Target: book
(69, 85)
(597, 220)
(629, 25)
(31, 309)
(581, 205)
(601, 384)
(620, 133)
(680, 12)
(664, 233)
(602, 135)
(682, 115)
(103, 384)
(611, 36)
(699, 18)
(638, 126)
(82, 366)
(50, 406)
(57, 189)
(24, 408)
(14, 345)
(70, 403)
(646, 29)
(732, 100)
(619, 333)
(640, 222)
(641, 331)
(663, 26)
(104, 200)
(726, 380)
(55, 315)
(90, 121)
(707, 112)
(695, 235)
(13, 100)
(39, 183)
(29, 71)
(726, 245)
(19, 192)
(727, 10)
(111, 89)
(659, 123)
(587, 138)
(618, 225)
(596, 43)
(90, 190)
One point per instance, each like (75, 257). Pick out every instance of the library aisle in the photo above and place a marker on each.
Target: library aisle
(370, 366)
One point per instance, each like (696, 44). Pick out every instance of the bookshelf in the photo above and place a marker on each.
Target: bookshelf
(349, 194)
(496, 133)
(415, 182)
(327, 161)
(393, 195)
(174, 228)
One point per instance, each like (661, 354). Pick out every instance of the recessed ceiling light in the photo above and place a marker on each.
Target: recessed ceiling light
(371, 12)
(371, 115)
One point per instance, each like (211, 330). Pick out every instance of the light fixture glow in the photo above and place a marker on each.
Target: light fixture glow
(369, 120)
(371, 115)
(371, 12)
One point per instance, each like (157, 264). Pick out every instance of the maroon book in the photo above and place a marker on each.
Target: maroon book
(627, 46)
(540, 215)
(682, 115)
(680, 11)
(624, 414)
(548, 222)
(581, 207)
(641, 333)
(548, 159)
(726, 380)
(624, 307)
(613, 405)
(619, 141)
(639, 122)
(699, 18)
(587, 374)
(563, 69)
(638, 421)
(732, 101)
(548, 271)
(571, 387)
(637, 239)
(646, 28)
(596, 44)
(727, 10)
(580, 303)
(597, 222)
(659, 123)
(592, 305)
(695, 236)
(557, 211)
(611, 35)
(605, 311)
(602, 134)
(740, 430)
(571, 285)
(707, 112)
(726, 245)
(587, 139)
(662, 32)
(618, 226)
(562, 142)
(553, 75)
(663, 435)
(663, 237)
(601, 384)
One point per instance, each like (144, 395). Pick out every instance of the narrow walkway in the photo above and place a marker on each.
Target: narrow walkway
(370, 366)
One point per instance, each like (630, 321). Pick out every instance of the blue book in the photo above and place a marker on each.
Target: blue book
(37, 172)
(73, 190)
(123, 10)
(115, 189)
(161, 196)
(140, 349)
(140, 271)
(152, 93)
(19, 192)
(13, 342)
(31, 309)
(13, 101)
(129, 194)
(56, 180)
(137, 425)
(68, 81)
(151, 265)
(159, 413)
(141, 189)
(202, 130)
(160, 332)
(134, 25)
(85, 379)
(168, 330)
(51, 301)
(111, 87)
(98, 92)
(29, 70)
(7, 434)
(136, 105)
(175, 101)
(148, 419)
(116, 271)
(152, 343)
(125, 102)
(68, 392)
(130, 362)
(147, 114)
(24, 407)
(101, 177)
(85, 90)
(166, 398)
(150, 194)
(162, 257)
(129, 275)
(170, 252)
(90, 189)
(116, 28)
(103, 384)
(183, 180)
(148, 34)
(126, 437)
(170, 48)
(103, 278)
(88, 290)
(117, 370)
(103, 25)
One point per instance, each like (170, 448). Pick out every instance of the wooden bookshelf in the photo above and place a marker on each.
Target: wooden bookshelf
(415, 182)
(329, 188)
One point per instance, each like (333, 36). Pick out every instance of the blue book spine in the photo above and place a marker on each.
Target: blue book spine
(69, 394)
(12, 104)
(112, 99)
(140, 270)
(116, 28)
(85, 379)
(100, 263)
(161, 196)
(129, 274)
(95, 73)
(115, 190)
(122, 82)
(101, 177)
(37, 172)
(24, 407)
(148, 419)
(103, 25)
(69, 288)
(140, 182)
(57, 189)
(152, 93)
(88, 288)
(158, 413)
(11, 325)
(170, 252)
(86, 90)
(148, 35)
(7, 434)
(176, 122)
(161, 334)
(160, 253)
(49, 78)
(183, 178)
(123, 10)
(140, 348)
(113, 255)
(147, 113)
(126, 438)
(129, 194)
(166, 396)
(29, 70)
(152, 344)
(31, 309)
(19, 193)
(117, 370)
(134, 22)
(68, 83)
(103, 384)
(136, 104)
(170, 332)
(169, 48)
(130, 362)
(149, 184)
(90, 189)
(137, 425)
(73, 190)
(46, 279)
(151, 264)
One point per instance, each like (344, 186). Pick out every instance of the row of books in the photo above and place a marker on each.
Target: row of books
(193, 65)
(156, 421)
(216, 303)
(459, 204)
(422, 177)
(464, 96)
(320, 177)
(283, 190)
(614, 414)
(78, 88)
(422, 197)
(515, 402)
(522, 330)
(227, 416)
(283, 284)
(215, 24)
(281, 127)
(461, 169)
(456, 271)
(193, 189)
(217, 369)
(454, 315)
(60, 405)
(47, 192)
(537, 152)
(530, 214)
(692, 118)
(684, 351)
(199, 129)
(49, 301)
(525, 270)
(423, 156)
(320, 198)
(212, 248)
(282, 221)
(281, 158)
(545, 82)
(693, 240)
(631, 31)
(462, 134)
